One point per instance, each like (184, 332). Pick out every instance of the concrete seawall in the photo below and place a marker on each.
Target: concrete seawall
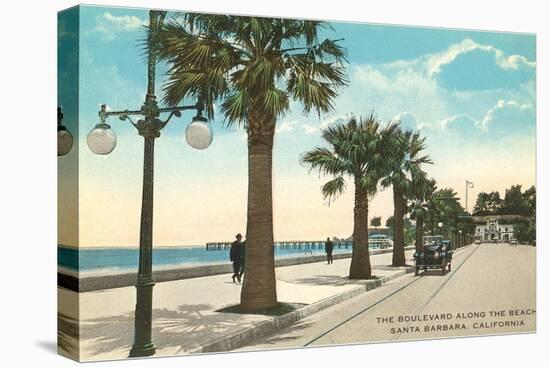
(99, 282)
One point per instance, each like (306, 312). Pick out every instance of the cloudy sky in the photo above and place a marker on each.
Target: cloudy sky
(472, 94)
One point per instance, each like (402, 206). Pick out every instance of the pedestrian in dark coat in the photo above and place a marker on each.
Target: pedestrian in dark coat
(329, 247)
(236, 253)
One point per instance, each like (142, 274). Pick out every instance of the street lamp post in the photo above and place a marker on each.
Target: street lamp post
(469, 185)
(101, 140)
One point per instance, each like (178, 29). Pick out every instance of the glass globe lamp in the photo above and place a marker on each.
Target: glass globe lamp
(198, 134)
(101, 140)
(64, 141)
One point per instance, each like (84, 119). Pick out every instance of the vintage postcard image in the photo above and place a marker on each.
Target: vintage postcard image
(237, 183)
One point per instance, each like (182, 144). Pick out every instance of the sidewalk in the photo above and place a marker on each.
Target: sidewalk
(184, 311)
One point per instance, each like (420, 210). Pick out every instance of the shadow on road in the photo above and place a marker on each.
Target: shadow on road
(334, 280)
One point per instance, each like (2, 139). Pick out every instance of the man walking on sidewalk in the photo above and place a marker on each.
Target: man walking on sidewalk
(329, 246)
(236, 255)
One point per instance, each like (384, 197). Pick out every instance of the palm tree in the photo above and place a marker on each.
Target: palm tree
(359, 149)
(253, 67)
(447, 208)
(406, 160)
(423, 190)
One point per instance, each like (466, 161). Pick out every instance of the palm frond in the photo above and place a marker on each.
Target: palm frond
(334, 188)
(331, 48)
(275, 102)
(225, 58)
(235, 107)
(369, 183)
(326, 161)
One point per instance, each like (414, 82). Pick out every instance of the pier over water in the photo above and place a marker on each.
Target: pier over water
(285, 245)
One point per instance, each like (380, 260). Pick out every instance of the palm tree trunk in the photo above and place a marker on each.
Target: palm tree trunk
(398, 258)
(259, 287)
(419, 232)
(360, 261)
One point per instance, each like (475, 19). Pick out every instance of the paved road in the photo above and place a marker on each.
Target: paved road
(185, 311)
(491, 290)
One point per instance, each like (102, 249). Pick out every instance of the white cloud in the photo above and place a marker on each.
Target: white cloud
(406, 120)
(507, 116)
(434, 62)
(285, 126)
(503, 117)
(461, 124)
(502, 70)
(411, 91)
(109, 24)
(423, 125)
(334, 120)
(390, 89)
(125, 22)
(503, 105)
(309, 129)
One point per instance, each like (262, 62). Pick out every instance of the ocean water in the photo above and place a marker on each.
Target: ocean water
(124, 259)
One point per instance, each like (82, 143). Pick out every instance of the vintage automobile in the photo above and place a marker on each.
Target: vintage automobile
(436, 254)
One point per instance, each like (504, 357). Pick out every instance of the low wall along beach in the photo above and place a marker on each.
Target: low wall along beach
(70, 280)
